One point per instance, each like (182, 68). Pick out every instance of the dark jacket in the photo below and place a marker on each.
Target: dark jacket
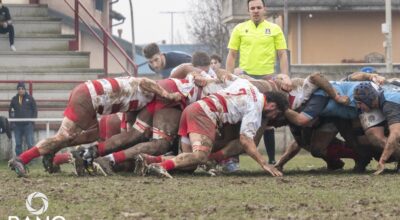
(25, 110)
(4, 14)
(172, 60)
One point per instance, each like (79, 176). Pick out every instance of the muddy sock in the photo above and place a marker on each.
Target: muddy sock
(336, 151)
(331, 152)
(62, 158)
(218, 156)
(29, 155)
(119, 157)
(101, 148)
(168, 164)
(346, 152)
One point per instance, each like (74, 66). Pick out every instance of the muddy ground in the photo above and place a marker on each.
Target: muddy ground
(307, 191)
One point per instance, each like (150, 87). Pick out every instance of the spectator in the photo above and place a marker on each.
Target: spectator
(5, 127)
(22, 106)
(163, 63)
(6, 24)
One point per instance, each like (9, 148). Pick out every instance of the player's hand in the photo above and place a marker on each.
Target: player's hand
(380, 168)
(176, 96)
(344, 100)
(287, 84)
(272, 170)
(380, 80)
(278, 167)
(238, 71)
(5, 24)
(200, 81)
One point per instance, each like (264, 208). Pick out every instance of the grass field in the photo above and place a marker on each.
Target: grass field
(307, 191)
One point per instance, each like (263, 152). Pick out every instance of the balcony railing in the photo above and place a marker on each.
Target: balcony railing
(103, 40)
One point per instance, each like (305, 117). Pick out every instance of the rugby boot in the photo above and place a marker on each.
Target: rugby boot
(140, 165)
(48, 165)
(90, 153)
(158, 170)
(335, 165)
(103, 166)
(210, 167)
(19, 168)
(78, 163)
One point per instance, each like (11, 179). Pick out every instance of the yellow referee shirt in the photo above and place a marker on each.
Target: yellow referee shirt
(257, 46)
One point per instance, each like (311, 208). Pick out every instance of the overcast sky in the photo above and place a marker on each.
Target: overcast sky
(150, 24)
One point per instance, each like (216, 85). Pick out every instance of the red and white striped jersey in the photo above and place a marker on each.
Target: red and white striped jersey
(193, 93)
(121, 94)
(241, 101)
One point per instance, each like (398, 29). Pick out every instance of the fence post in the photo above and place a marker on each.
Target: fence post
(74, 44)
(47, 129)
(105, 53)
(30, 88)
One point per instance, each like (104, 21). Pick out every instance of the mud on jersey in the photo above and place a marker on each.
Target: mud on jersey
(241, 101)
(193, 93)
(121, 94)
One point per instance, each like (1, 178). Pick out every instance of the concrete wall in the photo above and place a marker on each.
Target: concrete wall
(330, 37)
(62, 7)
(15, 1)
(322, 33)
(91, 44)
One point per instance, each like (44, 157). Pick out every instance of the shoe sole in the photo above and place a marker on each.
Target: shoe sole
(159, 172)
(78, 164)
(140, 166)
(47, 162)
(18, 171)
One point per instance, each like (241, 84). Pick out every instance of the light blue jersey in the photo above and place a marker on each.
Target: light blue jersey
(392, 96)
(333, 109)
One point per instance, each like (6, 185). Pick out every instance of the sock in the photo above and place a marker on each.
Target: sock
(152, 159)
(62, 158)
(332, 152)
(119, 157)
(218, 156)
(110, 157)
(168, 164)
(29, 155)
(101, 148)
(336, 151)
(346, 152)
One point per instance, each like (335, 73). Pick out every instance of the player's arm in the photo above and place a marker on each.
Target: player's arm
(283, 61)
(319, 80)
(361, 76)
(290, 152)
(284, 67)
(390, 146)
(251, 149)
(230, 60)
(152, 87)
(183, 70)
(296, 118)
(224, 75)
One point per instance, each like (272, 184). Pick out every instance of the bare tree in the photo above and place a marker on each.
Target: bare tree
(206, 26)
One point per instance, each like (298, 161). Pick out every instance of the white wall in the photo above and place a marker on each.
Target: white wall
(15, 1)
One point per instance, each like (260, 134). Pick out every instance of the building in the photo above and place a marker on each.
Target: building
(330, 32)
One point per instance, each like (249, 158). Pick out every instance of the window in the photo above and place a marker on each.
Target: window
(99, 5)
